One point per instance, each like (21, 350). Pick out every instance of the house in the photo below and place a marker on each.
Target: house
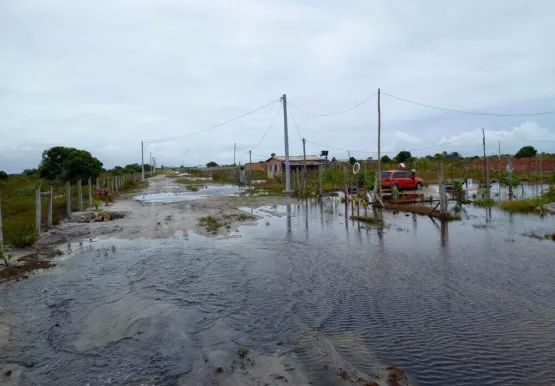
(256, 166)
(276, 163)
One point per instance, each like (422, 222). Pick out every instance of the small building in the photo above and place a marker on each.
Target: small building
(276, 163)
(256, 166)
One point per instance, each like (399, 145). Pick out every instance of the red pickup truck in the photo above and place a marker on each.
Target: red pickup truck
(401, 179)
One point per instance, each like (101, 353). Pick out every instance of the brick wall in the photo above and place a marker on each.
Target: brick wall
(518, 164)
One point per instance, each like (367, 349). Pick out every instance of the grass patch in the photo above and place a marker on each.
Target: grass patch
(424, 210)
(529, 205)
(191, 188)
(486, 202)
(242, 352)
(210, 223)
(368, 220)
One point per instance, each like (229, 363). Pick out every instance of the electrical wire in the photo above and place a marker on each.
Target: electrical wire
(215, 126)
(530, 140)
(268, 129)
(336, 113)
(468, 112)
(295, 122)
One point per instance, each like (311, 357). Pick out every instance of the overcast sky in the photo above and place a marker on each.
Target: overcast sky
(103, 75)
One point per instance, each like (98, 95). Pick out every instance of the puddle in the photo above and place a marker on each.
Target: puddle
(203, 192)
(449, 303)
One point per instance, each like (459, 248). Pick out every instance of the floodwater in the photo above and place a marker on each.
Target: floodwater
(203, 192)
(460, 303)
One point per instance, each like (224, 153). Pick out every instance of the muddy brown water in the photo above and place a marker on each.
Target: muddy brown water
(464, 303)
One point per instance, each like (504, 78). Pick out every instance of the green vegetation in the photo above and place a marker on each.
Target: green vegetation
(191, 188)
(529, 205)
(212, 224)
(369, 220)
(242, 352)
(68, 164)
(526, 152)
(485, 202)
(212, 164)
(403, 156)
(191, 181)
(3, 176)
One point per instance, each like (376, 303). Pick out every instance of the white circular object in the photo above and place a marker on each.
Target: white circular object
(356, 168)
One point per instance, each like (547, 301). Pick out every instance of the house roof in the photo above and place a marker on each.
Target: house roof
(296, 159)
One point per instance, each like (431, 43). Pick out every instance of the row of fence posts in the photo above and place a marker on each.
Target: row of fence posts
(113, 183)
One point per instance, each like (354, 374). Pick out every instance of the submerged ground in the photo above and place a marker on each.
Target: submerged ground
(154, 299)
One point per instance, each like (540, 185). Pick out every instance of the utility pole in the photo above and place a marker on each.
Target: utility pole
(142, 161)
(286, 135)
(349, 154)
(234, 150)
(150, 163)
(486, 163)
(378, 183)
(499, 166)
(304, 162)
(154, 164)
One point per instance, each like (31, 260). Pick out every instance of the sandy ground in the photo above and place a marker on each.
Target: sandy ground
(146, 220)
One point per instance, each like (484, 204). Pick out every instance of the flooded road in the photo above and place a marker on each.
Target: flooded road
(464, 303)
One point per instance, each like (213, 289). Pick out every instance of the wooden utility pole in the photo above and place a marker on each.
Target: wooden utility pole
(304, 162)
(486, 163)
(442, 198)
(250, 168)
(234, 150)
(378, 183)
(1, 231)
(38, 210)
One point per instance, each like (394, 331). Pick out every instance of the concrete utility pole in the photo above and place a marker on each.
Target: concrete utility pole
(142, 161)
(250, 166)
(150, 173)
(486, 163)
(378, 183)
(304, 155)
(286, 135)
(234, 150)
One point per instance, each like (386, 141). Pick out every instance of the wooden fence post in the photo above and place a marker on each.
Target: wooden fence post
(50, 205)
(90, 192)
(80, 195)
(38, 210)
(116, 183)
(68, 199)
(442, 201)
(1, 231)
(98, 182)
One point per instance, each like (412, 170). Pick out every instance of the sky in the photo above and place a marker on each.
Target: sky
(106, 75)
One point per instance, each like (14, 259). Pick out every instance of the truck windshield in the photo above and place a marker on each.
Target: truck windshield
(386, 174)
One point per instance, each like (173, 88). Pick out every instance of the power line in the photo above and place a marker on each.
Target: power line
(336, 113)
(295, 122)
(268, 129)
(215, 126)
(530, 140)
(468, 112)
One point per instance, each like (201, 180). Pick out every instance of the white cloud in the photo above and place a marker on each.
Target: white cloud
(106, 76)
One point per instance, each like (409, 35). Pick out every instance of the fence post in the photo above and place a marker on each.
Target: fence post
(68, 199)
(80, 195)
(116, 183)
(50, 204)
(90, 192)
(442, 201)
(97, 182)
(1, 231)
(38, 210)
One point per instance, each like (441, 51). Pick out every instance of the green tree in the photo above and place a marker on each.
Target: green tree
(403, 156)
(526, 152)
(386, 159)
(352, 160)
(68, 164)
(3, 176)
(211, 164)
(30, 172)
